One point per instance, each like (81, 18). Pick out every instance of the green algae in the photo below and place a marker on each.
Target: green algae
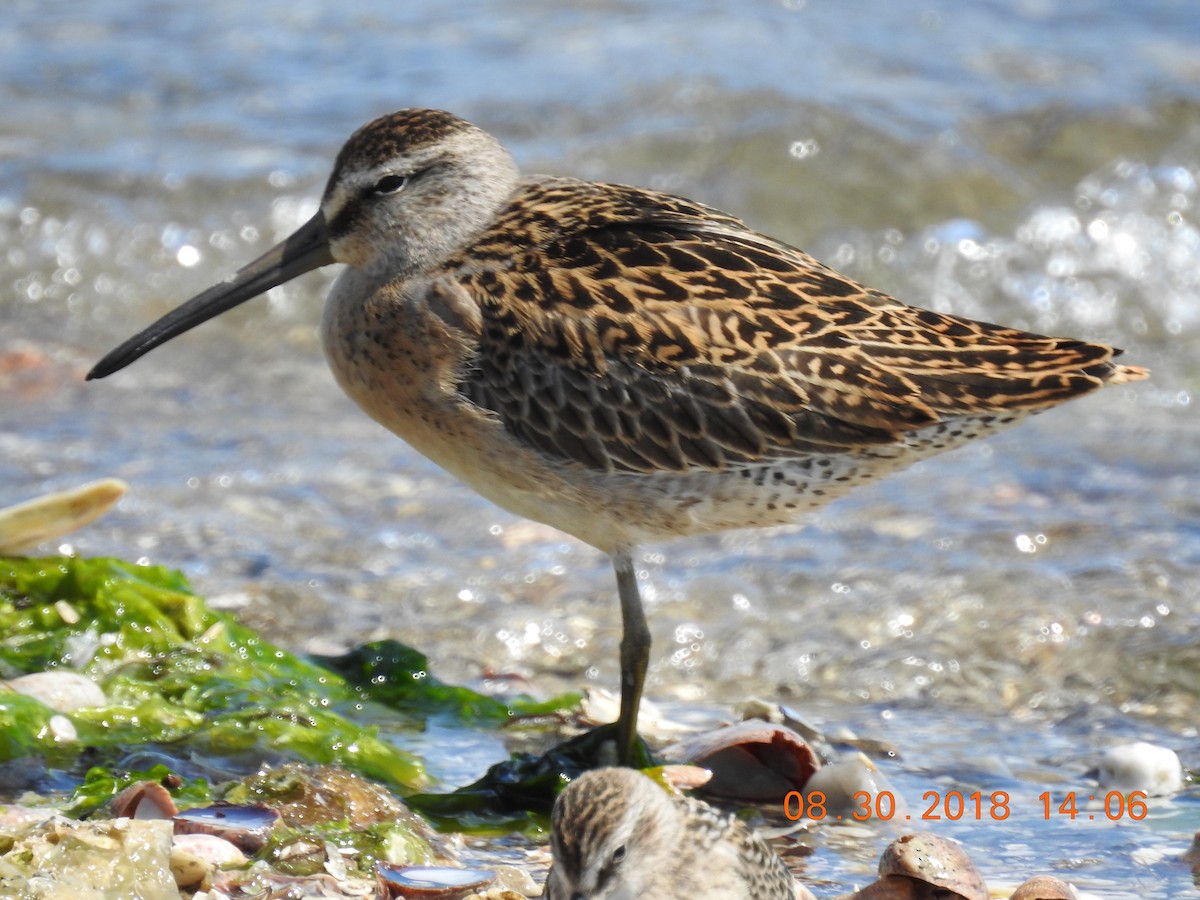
(189, 684)
(194, 683)
(174, 671)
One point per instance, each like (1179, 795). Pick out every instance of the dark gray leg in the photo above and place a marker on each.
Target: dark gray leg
(635, 653)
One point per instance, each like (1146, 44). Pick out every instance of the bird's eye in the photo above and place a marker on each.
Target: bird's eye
(618, 854)
(390, 184)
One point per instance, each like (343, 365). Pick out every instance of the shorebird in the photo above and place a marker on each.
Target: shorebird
(625, 365)
(616, 834)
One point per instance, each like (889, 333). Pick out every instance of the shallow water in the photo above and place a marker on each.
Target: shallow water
(1007, 610)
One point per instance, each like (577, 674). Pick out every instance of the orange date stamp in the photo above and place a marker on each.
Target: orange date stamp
(954, 806)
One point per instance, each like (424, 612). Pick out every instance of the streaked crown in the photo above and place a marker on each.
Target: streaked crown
(411, 188)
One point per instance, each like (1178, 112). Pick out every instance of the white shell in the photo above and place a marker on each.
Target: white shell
(841, 779)
(63, 692)
(25, 525)
(1141, 767)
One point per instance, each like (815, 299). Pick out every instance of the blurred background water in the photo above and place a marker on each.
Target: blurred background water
(1002, 613)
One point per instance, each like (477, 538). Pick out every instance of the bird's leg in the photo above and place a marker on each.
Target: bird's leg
(635, 653)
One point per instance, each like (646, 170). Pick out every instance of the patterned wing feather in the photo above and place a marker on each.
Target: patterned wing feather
(635, 331)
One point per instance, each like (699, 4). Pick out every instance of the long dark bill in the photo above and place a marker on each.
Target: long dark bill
(305, 250)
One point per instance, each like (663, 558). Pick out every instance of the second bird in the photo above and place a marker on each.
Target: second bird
(625, 365)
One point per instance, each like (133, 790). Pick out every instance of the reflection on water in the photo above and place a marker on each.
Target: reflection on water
(1035, 594)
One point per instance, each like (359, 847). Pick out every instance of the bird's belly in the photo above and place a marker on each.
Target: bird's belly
(608, 510)
(405, 378)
